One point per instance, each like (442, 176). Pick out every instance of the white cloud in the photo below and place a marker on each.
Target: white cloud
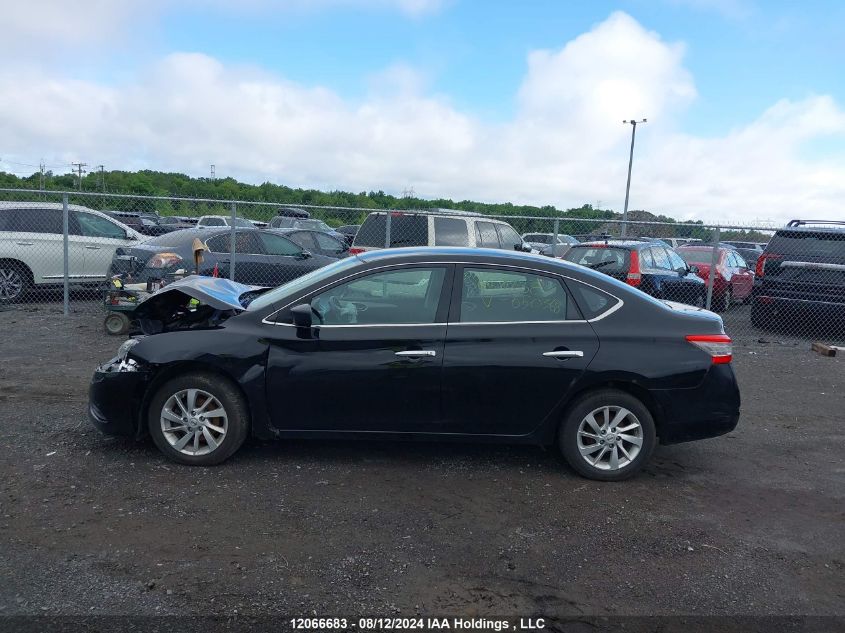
(565, 145)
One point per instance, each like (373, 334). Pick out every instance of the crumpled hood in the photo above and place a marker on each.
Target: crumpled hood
(216, 292)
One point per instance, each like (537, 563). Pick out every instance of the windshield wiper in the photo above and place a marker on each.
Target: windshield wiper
(599, 265)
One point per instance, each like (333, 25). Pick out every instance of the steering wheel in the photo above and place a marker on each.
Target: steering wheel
(347, 313)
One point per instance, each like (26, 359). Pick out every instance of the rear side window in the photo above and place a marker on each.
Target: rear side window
(35, 221)
(486, 236)
(592, 301)
(405, 230)
(450, 232)
(811, 244)
(212, 222)
(494, 296)
(602, 258)
(245, 243)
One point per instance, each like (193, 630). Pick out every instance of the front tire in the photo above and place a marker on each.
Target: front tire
(199, 419)
(607, 435)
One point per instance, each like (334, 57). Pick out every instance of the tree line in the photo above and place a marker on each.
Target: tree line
(573, 221)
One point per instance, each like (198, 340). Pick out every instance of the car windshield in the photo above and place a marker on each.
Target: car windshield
(316, 225)
(601, 258)
(239, 222)
(696, 255)
(295, 286)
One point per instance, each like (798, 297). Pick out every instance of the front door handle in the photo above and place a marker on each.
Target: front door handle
(417, 353)
(24, 243)
(564, 354)
(93, 248)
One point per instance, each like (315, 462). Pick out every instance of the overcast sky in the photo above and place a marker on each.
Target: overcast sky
(492, 100)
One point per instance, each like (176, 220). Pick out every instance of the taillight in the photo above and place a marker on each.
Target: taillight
(355, 251)
(717, 345)
(760, 269)
(634, 277)
(163, 260)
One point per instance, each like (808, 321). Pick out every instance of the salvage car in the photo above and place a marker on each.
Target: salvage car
(427, 343)
(261, 257)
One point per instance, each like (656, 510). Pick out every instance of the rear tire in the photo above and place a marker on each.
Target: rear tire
(181, 429)
(607, 435)
(15, 280)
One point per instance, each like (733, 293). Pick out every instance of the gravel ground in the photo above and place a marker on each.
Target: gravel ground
(750, 523)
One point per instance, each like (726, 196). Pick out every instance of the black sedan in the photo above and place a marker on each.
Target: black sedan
(318, 242)
(425, 343)
(261, 257)
(648, 265)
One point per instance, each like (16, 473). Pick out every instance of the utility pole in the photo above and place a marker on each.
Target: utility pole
(41, 176)
(102, 178)
(79, 170)
(213, 175)
(633, 123)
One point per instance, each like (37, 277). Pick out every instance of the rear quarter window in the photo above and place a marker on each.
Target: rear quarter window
(592, 301)
(405, 230)
(450, 232)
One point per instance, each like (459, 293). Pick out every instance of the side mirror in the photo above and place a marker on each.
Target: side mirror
(693, 269)
(301, 315)
(304, 254)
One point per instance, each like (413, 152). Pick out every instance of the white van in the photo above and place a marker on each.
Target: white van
(32, 246)
(440, 227)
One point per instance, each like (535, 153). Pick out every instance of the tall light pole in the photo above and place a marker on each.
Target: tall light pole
(633, 123)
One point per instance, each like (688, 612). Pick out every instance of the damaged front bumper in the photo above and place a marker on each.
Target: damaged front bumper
(116, 396)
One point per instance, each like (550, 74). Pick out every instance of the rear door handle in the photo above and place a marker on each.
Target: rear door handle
(93, 248)
(564, 354)
(417, 353)
(24, 243)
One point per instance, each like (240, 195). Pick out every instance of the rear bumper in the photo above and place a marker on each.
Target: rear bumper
(709, 410)
(115, 398)
(791, 305)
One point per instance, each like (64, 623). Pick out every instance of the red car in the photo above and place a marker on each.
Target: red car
(733, 280)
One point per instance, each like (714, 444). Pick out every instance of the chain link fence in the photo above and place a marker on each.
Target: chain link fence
(81, 251)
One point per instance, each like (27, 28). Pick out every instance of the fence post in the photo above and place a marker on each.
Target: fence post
(65, 255)
(711, 276)
(233, 241)
(554, 240)
(387, 229)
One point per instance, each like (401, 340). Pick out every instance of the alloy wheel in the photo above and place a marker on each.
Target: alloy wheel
(194, 422)
(610, 438)
(11, 284)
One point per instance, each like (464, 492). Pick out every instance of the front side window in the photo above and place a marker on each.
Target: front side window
(486, 236)
(91, 225)
(385, 298)
(328, 243)
(508, 237)
(212, 222)
(491, 295)
(450, 232)
(675, 261)
(661, 259)
(405, 230)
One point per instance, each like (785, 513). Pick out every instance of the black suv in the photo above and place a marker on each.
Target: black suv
(650, 266)
(801, 273)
